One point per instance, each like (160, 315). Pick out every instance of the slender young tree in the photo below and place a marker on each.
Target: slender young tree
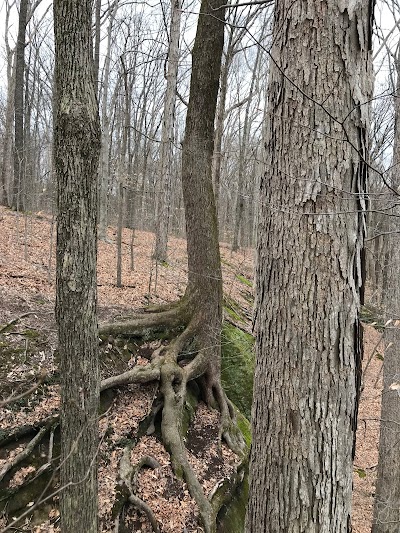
(6, 164)
(76, 155)
(310, 268)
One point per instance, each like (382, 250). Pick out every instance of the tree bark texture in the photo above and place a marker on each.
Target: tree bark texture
(19, 192)
(387, 494)
(76, 152)
(204, 277)
(310, 268)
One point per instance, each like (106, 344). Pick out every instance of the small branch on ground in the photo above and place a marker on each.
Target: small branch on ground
(8, 326)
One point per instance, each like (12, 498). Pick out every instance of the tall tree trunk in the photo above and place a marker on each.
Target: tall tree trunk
(167, 137)
(219, 121)
(387, 494)
(204, 263)
(310, 268)
(76, 152)
(19, 192)
(6, 163)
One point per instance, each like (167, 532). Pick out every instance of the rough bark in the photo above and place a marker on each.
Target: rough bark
(167, 137)
(387, 495)
(76, 152)
(309, 269)
(19, 192)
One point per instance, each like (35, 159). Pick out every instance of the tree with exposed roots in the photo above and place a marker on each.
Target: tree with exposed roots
(198, 315)
(310, 268)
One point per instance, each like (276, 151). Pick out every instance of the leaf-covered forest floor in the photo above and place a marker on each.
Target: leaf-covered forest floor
(27, 274)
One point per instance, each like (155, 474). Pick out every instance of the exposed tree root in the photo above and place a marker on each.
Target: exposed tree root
(24, 454)
(147, 324)
(174, 379)
(174, 368)
(138, 374)
(16, 397)
(127, 487)
(17, 433)
(193, 354)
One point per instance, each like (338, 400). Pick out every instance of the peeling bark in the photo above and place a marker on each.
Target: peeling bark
(309, 269)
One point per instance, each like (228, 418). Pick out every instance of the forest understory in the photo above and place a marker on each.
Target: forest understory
(128, 423)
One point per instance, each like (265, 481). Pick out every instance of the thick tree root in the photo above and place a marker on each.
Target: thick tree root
(138, 374)
(174, 379)
(147, 324)
(127, 487)
(174, 366)
(17, 433)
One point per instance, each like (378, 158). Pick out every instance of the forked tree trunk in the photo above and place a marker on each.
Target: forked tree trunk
(309, 269)
(387, 495)
(76, 153)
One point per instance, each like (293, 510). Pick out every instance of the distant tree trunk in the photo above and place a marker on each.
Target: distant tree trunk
(244, 146)
(96, 56)
(76, 153)
(167, 137)
(19, 192)
(105, 128)
(219, 121)
(121, 204)
(387, 494)
(6, 163)
(310, 269)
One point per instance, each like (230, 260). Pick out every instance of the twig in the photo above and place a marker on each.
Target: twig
(17, 397)
(8, 326)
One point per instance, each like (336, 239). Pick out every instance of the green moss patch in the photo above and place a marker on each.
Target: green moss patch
(238, 366)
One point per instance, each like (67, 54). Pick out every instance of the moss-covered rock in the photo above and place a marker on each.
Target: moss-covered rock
(231, 517)
(238, 367)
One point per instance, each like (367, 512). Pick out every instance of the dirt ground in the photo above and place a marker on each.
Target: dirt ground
(27, 264)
